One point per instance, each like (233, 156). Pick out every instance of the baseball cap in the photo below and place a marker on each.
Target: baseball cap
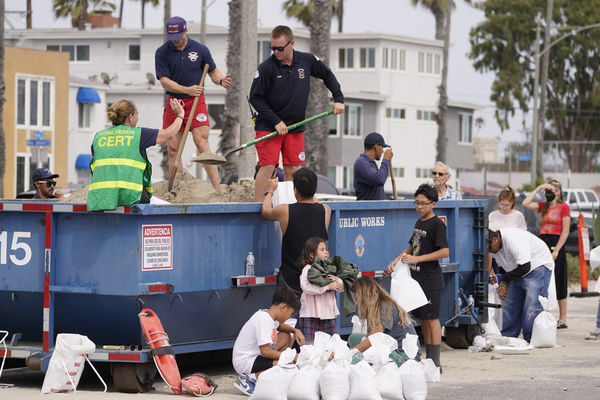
(175, 28)
(375, 138)
(43, 173)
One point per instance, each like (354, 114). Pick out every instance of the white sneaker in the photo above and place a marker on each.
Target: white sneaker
(594, 335)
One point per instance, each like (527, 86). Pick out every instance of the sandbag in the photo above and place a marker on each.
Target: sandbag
(405, 290)
(362, 382)
(334, 382)
(359, 326)
(67, 362)
(305, 385)
(414, 385)
(494, 324)
(389, 382)
(432, 372)
(544, 327)
(273, 384)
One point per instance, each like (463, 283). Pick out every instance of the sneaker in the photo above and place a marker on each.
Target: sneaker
(244, 384)
(594, 335)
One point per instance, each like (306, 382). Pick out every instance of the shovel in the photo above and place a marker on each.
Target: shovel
(215, 159)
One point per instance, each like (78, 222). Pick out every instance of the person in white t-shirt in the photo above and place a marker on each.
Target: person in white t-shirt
(504, 217)
(526, 265)
(263, 338)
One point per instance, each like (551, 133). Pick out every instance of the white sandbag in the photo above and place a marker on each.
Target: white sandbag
(595, 257)
(334, 382)
(305, 385)
(414, 385)
(378, 356)
(359, 326)
(321, 340)
(307, 354)
(552, 301)
(286, 357)
(494, 314)
(597, 286)
(432, 372)
(410, 345)
(67, 362)
(362, 382)
(273, 384)
(405, 290)
(284, 194)
(544, 327)
(385, 340)
(389, 382)
(500, 343)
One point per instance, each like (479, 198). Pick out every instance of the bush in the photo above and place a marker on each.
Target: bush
(573, 274)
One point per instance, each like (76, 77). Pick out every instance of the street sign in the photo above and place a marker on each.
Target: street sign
(38, 135)
(524, 157)
(38, 142)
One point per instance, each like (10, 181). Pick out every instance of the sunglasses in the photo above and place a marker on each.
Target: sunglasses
(434, 173)
(49, 183)
(275, 48)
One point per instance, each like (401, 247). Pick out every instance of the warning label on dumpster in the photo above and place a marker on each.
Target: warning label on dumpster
(157, 247)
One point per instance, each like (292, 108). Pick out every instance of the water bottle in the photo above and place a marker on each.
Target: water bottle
(459, 302)
(250, 264)
(474, 349)
(471, 301)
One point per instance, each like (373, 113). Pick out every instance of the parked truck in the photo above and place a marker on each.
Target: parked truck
(66, 270)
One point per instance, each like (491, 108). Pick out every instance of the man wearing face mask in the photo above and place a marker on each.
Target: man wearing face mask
(554, 230)
(44, 183)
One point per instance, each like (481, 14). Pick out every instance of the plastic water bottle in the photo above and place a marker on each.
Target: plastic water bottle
(474, 349)
(471, 301)
(250, 264)
(459, 302)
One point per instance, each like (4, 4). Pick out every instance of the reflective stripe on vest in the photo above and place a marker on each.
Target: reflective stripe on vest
(118, 161)
(115, 184)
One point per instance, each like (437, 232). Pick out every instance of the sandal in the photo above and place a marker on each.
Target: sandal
(561, 325)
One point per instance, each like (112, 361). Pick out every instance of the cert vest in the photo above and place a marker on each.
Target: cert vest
(120, 171)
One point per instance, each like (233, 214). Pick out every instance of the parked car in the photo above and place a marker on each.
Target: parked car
(581, 199)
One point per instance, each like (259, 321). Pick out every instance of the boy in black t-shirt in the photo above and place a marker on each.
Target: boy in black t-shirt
(426, 246)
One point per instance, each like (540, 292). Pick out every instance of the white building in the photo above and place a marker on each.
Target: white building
(390, 84)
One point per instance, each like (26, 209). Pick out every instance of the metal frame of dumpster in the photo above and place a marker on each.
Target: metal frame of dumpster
(67, 270)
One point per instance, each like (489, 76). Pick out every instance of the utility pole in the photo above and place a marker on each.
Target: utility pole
(544, 84)
(203, 24)
(536, 91)
(248, 58)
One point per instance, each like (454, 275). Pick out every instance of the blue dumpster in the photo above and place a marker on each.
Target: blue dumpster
(67, 270)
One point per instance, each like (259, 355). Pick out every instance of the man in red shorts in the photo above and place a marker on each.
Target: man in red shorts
(179, 64)
(280, 93)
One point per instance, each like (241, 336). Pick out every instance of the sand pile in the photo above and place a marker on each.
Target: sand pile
(189, 190)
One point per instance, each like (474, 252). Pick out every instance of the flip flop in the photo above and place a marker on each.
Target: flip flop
(561, 325)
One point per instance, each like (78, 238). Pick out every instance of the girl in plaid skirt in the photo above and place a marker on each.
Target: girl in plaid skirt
(318, 306)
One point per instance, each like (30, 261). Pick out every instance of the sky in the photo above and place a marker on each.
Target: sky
(379, 16)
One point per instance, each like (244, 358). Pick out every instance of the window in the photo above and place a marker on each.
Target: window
(352, 120)
(346, 58)
(438, 64)
(264, 50)
(333, 125)
(591, 196)
(465, 124)
(402, 61)
(425, 115)
(76, 53)
(429, 63)
(331, 175)
(367, 57)
(134, 52)
(398, 172)
(394, 63)
(348, 177)
(85, 110)
(21, 162)
(423, 172)
(385, 54)
(35, 100)
(421, 62)
(395, 113)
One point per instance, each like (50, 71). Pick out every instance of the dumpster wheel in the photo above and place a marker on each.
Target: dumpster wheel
(461, 337)
(133, 378)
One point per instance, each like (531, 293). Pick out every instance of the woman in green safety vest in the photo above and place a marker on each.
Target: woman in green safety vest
(121, 172)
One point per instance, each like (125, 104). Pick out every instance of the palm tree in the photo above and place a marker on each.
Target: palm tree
(442, 15)
(316, 14)
(2, 88)
(228, 139)
(164, 164)
(143, 3)
(77, 10)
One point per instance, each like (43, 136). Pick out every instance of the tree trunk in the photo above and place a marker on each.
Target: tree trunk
(164, 164)
(439, 16)
(340, 15)
(229, 138)
(121, 13)
(2, 89)
(29, 23)
(442, 139)
(143, 14)
(316, 133)
(82, 16)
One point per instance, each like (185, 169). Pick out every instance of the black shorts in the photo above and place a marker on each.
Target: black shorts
(430, 310)
(261, 364)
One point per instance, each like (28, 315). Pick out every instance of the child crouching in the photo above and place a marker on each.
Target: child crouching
(263, 338)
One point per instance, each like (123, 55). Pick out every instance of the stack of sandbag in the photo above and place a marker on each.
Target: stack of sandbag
(273, 383)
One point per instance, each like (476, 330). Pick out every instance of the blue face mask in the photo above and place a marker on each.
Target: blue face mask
(550, 195)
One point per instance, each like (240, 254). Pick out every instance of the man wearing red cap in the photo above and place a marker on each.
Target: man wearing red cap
(179, 64)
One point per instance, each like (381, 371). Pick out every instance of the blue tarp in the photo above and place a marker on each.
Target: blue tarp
(83, 161)
(87, 95)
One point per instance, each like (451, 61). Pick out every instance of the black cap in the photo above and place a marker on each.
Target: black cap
(375, 138)
(43, 173)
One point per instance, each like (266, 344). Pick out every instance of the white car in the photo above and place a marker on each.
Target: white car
(581, 199)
